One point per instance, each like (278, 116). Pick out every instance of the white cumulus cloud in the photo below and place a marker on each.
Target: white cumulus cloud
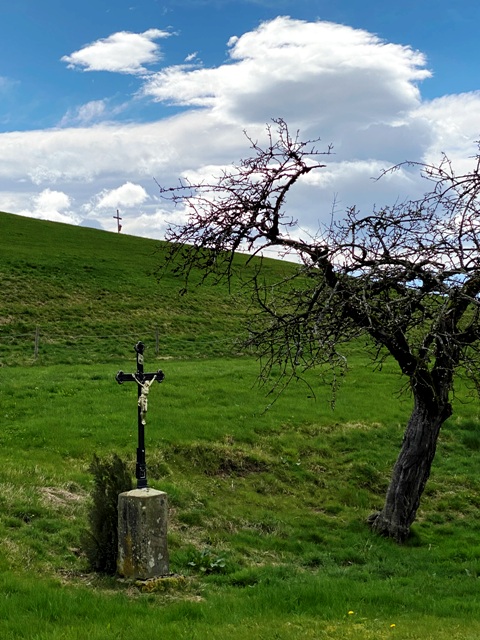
(51, 205)
(455, 125)
(121, 52)
(345, 85)
(320, 73)
(126, 196)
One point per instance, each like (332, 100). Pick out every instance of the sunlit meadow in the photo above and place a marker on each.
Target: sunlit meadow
(268, 496)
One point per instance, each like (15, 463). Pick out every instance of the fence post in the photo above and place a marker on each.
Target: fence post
(37, 342)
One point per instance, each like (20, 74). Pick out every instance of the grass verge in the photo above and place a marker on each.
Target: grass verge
(267, 508)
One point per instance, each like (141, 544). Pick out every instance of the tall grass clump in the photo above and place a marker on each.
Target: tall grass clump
(100, 542)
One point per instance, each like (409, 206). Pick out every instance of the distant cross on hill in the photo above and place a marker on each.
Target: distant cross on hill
(118, 218)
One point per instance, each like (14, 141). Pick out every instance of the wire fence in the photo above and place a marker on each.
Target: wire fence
(44, 346)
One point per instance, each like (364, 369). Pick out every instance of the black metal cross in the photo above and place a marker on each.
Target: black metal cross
(143, 380)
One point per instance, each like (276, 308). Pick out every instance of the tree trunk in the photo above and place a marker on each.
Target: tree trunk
(412, 469)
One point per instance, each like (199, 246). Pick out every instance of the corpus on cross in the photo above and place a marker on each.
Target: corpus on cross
(143, 380)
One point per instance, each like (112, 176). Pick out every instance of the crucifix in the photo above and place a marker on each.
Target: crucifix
(118, 218)
(144, 381)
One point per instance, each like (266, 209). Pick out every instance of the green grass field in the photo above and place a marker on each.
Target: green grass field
(267, 501)
(91, 293)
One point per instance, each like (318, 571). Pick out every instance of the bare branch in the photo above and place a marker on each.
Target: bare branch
(406, 277)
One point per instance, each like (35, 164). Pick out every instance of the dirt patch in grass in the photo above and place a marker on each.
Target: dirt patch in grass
(58, 497)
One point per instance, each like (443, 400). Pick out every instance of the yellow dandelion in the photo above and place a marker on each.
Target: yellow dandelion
(392, 626)
(350, 613)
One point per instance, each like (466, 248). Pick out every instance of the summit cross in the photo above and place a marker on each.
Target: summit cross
(118, 218)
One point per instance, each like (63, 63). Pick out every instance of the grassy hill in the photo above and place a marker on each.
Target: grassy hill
(91, 295)
(267, 503)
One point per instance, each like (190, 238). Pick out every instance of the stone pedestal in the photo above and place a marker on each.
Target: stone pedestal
(142, 534)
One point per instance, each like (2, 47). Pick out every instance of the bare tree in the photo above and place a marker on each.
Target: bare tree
(406, 277)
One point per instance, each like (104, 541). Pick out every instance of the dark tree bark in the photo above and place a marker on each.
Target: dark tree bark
(411, 471)
(406, 277)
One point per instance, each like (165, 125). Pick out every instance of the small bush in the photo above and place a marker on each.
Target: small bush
(100, 543)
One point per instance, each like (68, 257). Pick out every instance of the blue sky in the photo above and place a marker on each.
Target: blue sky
(98, 98)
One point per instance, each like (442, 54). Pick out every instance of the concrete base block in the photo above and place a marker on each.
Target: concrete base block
(142, 534)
